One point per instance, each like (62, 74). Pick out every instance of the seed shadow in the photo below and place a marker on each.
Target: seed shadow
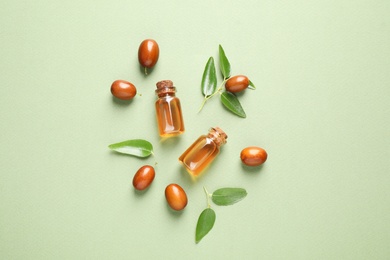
(139, 193)
(121, 103)
(145, 71)
(172, 212)
(240, 94)
(252, 169)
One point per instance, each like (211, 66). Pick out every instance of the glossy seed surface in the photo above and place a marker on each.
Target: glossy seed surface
(148, 53)
(253, 156)
(176, 196)
(237, 83)
(143, 177)
(123, 89)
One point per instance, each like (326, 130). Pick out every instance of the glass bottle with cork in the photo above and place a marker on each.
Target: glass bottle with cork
(168, 110)
(203, 151)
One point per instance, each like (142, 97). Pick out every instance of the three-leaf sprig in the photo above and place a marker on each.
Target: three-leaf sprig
(209, 85)
(220, 197)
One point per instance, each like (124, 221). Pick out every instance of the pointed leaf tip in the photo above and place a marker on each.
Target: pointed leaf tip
(205, 223)
(251, 85)
(231, 102)
(224, 63)
(209, 78)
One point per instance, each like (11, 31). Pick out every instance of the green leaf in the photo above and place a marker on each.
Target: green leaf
(228, 196)
(230, 101)
(251, 85)
(224, 63)
(135, 147)
(209, 79)
(205, 224)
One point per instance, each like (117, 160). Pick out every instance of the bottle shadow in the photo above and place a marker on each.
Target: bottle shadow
(170, 142)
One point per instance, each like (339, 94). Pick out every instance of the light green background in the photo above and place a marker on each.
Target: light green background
(321, 110)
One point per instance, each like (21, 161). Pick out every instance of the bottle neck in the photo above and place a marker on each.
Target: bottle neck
(165, 88)
(217, 135)
(166, 91)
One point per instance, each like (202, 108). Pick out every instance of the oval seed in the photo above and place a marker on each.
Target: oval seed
(143, 177)
(176, 196)
(237, 83)
(123, 89)
(148, 53)
(253, 156)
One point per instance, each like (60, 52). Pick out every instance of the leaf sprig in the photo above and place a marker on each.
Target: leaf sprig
(220, 197)
(209, 85)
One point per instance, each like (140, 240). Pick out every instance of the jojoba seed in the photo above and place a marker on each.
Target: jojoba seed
(176, 196)
(148, 53)
(237, 83)
(143, 177)
(253, 156)
(123, 89)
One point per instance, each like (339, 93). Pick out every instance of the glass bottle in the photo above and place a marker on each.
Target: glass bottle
(203, 151)
(168, 110)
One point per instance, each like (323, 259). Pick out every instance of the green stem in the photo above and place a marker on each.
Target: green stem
(208, 195)
(204, 102)
(219, 89)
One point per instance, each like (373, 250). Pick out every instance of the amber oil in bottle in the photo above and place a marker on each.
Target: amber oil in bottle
(168, 110)
(203, 151)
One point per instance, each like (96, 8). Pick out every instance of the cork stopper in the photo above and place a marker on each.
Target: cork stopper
(165, 88)
(164, 84)
(218, 135)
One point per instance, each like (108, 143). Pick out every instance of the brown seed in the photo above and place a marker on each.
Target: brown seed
(143, 177)
(123, 89)
(253, 156)
(237, 83)
(176, 196)
(148, 53)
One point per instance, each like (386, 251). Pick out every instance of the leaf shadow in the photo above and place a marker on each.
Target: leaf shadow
(114, 153)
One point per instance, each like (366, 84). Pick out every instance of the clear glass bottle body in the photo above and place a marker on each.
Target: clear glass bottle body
(203, 151)
(168, 110)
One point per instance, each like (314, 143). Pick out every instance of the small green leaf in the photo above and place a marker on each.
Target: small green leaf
(228, 196)
(224, 63)
(251, 85)
(205, 224)
(136, 147)
(230, 101)
(209, 79)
